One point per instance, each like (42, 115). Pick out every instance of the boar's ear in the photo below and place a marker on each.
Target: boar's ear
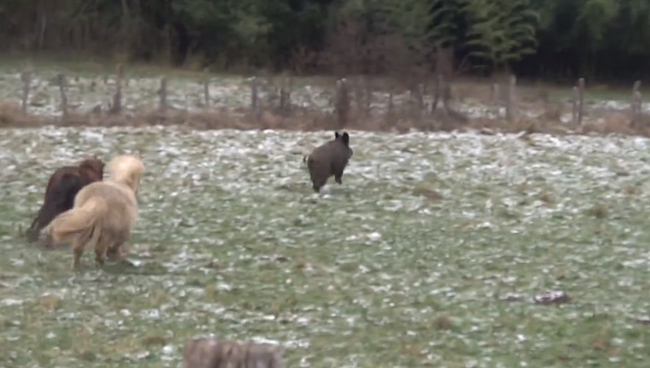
(336, 135)
(345, 138)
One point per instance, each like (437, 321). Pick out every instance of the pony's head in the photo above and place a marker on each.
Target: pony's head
(127, 170)
(93, 164)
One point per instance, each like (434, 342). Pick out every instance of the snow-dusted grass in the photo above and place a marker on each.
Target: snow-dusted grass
(378, 272)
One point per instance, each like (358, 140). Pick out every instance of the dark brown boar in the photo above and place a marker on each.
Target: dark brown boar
(329, 159)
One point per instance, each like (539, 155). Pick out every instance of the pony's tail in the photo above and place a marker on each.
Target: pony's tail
(83, 222)
(60, 198)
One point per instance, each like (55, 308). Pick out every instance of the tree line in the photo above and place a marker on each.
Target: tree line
(537, 38)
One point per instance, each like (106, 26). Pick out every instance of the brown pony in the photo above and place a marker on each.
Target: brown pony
(61, 190)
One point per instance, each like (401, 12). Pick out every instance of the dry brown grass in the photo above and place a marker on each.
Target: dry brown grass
(400, 120)
(442, 322)
(598, 211)
(630, 190)
(11, 115)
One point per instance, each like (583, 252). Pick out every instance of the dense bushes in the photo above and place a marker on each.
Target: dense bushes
(548, 38)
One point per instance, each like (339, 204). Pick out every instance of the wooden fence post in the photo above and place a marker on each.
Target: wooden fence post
(255, 108)
(390, 109)
(162, 94)
(342, 103)
(636, 105)
(574, 105)
(581, 100)
(421, 105)
(206, 87)
(285, 94)
(26, 78)
(437, 93)
(367, 88)
(496, 100)
(362, 95)
(206, 91)
(512, 99)
(64, 99)
(117, 97)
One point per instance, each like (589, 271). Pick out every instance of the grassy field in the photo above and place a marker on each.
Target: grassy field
(429, 254)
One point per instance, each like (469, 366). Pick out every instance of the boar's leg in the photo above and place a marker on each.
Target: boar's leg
(318, 179)
(338, 174)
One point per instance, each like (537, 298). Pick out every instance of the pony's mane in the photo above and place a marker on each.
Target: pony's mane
(127, 170)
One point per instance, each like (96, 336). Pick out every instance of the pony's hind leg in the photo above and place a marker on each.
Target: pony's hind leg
(77, 251)
(114, 253)
(99, 256)
(103, 248)
(117, 250)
